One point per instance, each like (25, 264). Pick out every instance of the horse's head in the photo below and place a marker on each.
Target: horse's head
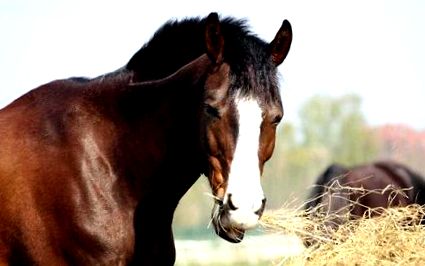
(242, 108)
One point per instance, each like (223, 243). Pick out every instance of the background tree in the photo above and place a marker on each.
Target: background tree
(332, 130)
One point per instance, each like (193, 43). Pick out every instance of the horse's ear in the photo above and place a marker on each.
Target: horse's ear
(281, 43)
(214, 39)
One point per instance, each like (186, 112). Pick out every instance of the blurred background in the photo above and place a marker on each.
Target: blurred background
(353, 88)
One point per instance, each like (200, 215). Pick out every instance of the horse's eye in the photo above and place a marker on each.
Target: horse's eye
(276, 120)
(212, 111)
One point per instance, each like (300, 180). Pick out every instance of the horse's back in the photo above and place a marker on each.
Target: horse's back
(409, 178)
(380, 184)
(375, 185)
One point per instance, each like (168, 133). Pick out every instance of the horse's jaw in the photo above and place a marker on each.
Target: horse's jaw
(229, 233)
(227, 222)
(232, 235)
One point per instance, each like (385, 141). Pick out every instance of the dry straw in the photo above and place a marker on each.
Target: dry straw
(396, 237)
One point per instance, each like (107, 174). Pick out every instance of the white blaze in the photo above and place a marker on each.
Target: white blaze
(244, 182)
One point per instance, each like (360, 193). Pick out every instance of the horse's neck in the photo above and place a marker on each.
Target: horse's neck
(158, 127)
(172, 46)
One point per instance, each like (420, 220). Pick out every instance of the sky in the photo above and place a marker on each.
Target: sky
(375, 49)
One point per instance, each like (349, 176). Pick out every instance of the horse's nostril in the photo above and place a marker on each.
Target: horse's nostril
(260, 211)
(230, 203)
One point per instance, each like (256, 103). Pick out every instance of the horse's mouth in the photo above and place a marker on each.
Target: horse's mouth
(224, 228)
(231, 234)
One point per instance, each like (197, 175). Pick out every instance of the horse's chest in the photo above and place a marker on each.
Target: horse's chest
(102, 223)
(106, 238)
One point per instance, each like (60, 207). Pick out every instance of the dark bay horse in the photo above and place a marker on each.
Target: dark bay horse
(365, 188)
(91, 170)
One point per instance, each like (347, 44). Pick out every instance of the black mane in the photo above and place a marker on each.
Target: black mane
(177, 43)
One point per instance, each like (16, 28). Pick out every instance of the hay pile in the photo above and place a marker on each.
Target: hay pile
(394, 238)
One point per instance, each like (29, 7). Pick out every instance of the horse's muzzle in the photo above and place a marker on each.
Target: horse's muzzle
(229, 228)
(223, 228)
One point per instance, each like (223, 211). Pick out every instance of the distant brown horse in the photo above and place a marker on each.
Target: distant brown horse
(365, 189)
(91, 170)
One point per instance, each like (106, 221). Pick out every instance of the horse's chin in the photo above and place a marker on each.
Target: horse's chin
(231, 235)
(226, 231)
